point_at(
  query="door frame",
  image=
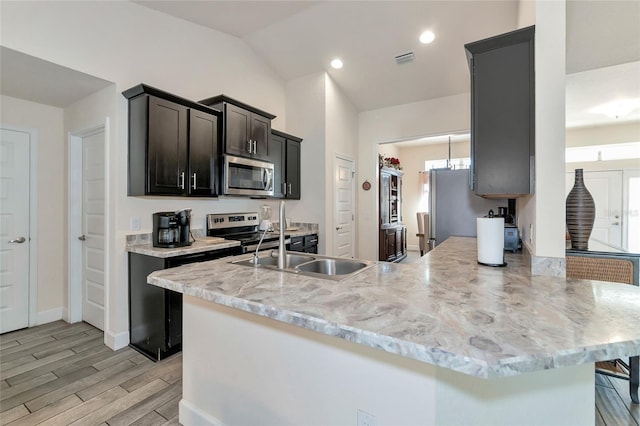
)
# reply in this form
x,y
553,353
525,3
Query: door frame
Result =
x,y
353,201
73,310
33,219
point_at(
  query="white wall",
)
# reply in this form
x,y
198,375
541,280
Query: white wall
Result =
x,y
48,121
306,118
602,135
318,112
341,139
389,150
541,216
432,117
128,44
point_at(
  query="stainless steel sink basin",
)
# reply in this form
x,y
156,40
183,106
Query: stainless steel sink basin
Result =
x,y
332,268
272,260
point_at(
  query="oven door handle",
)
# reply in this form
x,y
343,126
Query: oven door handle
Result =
x,y
264,246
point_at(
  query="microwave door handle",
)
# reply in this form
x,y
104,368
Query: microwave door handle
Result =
x,y
267,179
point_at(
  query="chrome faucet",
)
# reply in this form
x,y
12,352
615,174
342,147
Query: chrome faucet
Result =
x,y
282,250
256,259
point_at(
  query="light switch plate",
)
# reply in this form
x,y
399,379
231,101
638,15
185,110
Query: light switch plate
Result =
x,y
135,223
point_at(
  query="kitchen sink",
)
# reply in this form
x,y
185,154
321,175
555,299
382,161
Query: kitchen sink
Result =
x,y
332,268
272,260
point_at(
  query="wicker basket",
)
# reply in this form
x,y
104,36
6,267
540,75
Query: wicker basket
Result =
x,y
599,268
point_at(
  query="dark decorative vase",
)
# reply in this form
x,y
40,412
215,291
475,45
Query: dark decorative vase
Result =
x,y
581,213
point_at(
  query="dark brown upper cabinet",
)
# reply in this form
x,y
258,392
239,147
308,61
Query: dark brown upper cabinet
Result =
x,y
246,129
503,114
284,153
173,145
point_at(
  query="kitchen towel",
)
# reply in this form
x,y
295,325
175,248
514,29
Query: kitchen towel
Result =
x,y
490,241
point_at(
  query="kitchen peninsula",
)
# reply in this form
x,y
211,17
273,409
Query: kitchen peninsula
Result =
x,y
440,341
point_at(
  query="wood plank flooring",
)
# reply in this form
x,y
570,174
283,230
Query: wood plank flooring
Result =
x,y
62,374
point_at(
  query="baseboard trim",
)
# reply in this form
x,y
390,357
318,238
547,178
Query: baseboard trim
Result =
x,y
116,341
190,415
45,317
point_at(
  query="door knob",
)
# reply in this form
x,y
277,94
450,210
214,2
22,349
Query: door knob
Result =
x,y
338,228
82,237
18,240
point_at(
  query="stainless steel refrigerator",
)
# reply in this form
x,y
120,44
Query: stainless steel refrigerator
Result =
x,y
453,207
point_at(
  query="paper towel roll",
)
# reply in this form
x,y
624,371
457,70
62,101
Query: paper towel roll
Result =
x,y
491,241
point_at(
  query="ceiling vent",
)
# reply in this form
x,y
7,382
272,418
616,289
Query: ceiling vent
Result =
x,y
405,57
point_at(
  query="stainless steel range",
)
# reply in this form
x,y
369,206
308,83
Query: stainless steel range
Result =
x,y
241,227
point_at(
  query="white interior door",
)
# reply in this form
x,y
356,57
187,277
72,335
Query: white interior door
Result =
x,y
93,225
14,229
343,207
606,189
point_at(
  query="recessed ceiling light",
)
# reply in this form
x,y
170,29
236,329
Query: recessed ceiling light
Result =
x,y
336,63
427,37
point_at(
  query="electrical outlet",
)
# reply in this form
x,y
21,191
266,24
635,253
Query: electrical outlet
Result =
x,y
366,419
135,223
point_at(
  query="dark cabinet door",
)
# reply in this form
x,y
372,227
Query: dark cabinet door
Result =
x,y
204,134
167,147
382,245
246,133
237,131
260,131
284,153
503,114
399,241
391,244
293,170
277,156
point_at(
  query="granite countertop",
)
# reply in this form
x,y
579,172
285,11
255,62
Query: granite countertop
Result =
x,y
444,309
200,245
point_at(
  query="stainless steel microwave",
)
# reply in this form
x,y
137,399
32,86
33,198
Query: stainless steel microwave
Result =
x,y
244,176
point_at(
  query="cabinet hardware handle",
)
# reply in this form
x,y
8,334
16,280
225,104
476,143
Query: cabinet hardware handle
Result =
x,y
338,228
289,189
255,147
182,180
250,146
18,240
616,223
284,188
82,237
194,181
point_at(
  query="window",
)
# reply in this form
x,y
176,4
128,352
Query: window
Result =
x,y
617,151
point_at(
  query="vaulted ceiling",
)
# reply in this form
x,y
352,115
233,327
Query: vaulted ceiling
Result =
x,y
298,38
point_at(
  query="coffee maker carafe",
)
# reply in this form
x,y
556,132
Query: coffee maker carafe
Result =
x,y
171,229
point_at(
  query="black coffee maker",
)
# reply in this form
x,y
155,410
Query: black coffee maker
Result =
x,y
171,229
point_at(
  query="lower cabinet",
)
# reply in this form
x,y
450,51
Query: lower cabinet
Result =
x,y
155,314
304,244
393,243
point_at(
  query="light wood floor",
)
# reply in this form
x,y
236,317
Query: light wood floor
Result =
x,y
62,374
